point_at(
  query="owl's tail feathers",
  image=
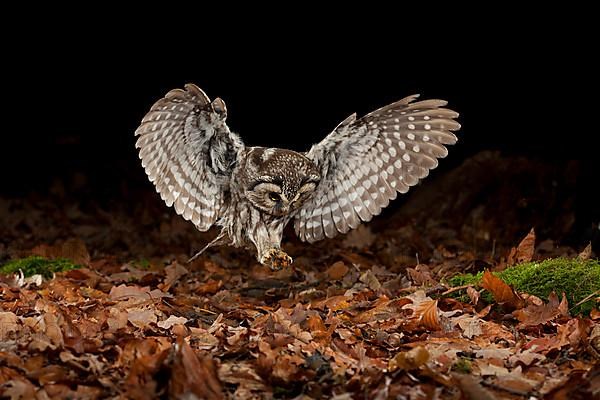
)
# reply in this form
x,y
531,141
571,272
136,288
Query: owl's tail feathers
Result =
x,y
221,238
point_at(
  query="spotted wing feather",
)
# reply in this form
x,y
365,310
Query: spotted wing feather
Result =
x,y
188,152
365,162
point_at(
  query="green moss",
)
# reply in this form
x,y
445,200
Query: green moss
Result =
x,y
38,265
143,264
462,365
577,279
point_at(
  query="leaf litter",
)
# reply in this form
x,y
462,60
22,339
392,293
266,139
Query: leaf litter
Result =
x,y
356,317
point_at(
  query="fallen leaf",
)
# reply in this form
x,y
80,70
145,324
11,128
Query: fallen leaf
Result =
x,y
8,325
337,270
471,327
473,295
502,293
173,272
525,357
409,360
123,292
524,251
595,340
210,287
172,320
428,314
141,317
193,376
472,388
538,315
369,279
421,275
117,319
586,253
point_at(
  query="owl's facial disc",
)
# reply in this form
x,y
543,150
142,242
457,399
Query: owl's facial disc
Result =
x,y
272,196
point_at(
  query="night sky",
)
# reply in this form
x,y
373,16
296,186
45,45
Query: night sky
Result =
x,y
73,107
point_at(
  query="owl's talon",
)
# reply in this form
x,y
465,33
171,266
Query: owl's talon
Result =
x,y
275,259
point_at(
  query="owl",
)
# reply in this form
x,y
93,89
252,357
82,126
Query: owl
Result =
x,y
211,178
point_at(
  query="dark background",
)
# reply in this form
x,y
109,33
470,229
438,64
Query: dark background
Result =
x,y
74,102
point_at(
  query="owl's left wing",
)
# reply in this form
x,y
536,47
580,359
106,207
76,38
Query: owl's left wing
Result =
x,y
365,162
189,153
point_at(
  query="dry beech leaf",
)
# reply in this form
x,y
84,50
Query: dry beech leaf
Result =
x,y
472,388
586,253
8,325
538,315
409,360
524,251
337,270
502,292
141,318
369,279
193,377
173,272
473,295
429,315
594,340
172,320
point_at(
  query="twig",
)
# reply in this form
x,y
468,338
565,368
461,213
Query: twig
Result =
x,y
597,292
456,289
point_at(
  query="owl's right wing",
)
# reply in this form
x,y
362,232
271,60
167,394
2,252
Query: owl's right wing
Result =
x,y
189,153
365,162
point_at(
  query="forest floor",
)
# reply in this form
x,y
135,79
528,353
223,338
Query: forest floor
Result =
x,y
367,315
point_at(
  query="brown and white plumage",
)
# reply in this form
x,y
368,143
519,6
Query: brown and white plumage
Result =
x,y
365,162
198,165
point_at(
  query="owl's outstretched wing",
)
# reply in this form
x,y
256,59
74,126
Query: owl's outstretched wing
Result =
x,y
189,153
365,161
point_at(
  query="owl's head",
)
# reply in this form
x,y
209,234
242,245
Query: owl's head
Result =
x,y
282,180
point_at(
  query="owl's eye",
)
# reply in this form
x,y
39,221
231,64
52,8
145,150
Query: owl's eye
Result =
x,y
274,197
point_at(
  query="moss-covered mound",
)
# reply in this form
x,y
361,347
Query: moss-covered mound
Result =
x,y
38,265
576,278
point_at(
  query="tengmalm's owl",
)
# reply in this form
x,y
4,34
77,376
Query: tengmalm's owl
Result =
x,y
202,168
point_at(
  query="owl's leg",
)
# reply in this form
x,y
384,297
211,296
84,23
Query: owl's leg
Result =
x,y
221,238
275,258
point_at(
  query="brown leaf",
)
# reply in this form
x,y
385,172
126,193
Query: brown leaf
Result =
x,y
502,293
409,360
429,315
8,325
193,376
473,295
337,271
123,292
117,319
172,320
421,275
471,326
369,279
140,317
586,253
210,287
595,340
173,272
472,389
538,315
524,251
19,388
